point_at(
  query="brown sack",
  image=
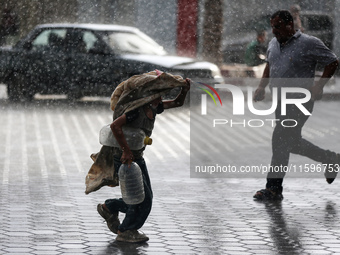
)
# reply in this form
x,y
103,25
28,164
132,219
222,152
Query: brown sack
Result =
x,y
102,171
141,89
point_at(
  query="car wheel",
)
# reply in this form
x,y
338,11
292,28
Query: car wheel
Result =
x,y
18,88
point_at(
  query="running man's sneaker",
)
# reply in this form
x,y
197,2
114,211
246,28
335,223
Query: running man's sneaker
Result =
x,y
332,170
267,195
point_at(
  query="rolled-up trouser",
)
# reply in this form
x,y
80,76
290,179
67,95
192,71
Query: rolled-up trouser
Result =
x,y
286,140
135,215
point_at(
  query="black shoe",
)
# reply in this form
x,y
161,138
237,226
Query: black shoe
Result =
x,y
332,170
268,195
111,219
132,236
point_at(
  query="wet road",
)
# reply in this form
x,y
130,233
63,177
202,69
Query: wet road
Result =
x,y
44,157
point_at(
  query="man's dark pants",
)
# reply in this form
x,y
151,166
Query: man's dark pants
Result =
x,y
135,215
286,140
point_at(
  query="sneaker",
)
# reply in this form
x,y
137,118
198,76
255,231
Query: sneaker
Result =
x,y
267,195
332,170
132,236
111,219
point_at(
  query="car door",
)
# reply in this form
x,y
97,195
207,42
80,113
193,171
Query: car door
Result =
x,y
45,58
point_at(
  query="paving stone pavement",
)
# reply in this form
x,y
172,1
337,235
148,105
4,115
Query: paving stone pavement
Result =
x,y
44,157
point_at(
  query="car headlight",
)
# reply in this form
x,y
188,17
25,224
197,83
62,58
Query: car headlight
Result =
x,y
216,74
215,71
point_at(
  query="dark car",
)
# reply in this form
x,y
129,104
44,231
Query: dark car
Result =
x,y
89,60
318,24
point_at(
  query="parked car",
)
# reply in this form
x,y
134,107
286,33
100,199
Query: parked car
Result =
x,y
88,60
318,24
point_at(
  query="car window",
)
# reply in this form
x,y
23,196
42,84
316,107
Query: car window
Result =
x,y
49,39
131,43
90,40
74,41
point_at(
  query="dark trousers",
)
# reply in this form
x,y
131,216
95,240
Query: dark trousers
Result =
x,y
135,215
286,140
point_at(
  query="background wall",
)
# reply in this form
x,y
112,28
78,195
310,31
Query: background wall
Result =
x,y
157,18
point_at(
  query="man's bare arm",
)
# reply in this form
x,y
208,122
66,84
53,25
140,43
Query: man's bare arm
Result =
x,y
260,91
179,100
328,72
117,130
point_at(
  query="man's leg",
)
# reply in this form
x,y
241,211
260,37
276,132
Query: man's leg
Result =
x,y
308,149
282,140
327,157
135,215
286,136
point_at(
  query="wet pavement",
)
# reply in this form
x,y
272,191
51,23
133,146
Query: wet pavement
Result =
x,y
44,158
